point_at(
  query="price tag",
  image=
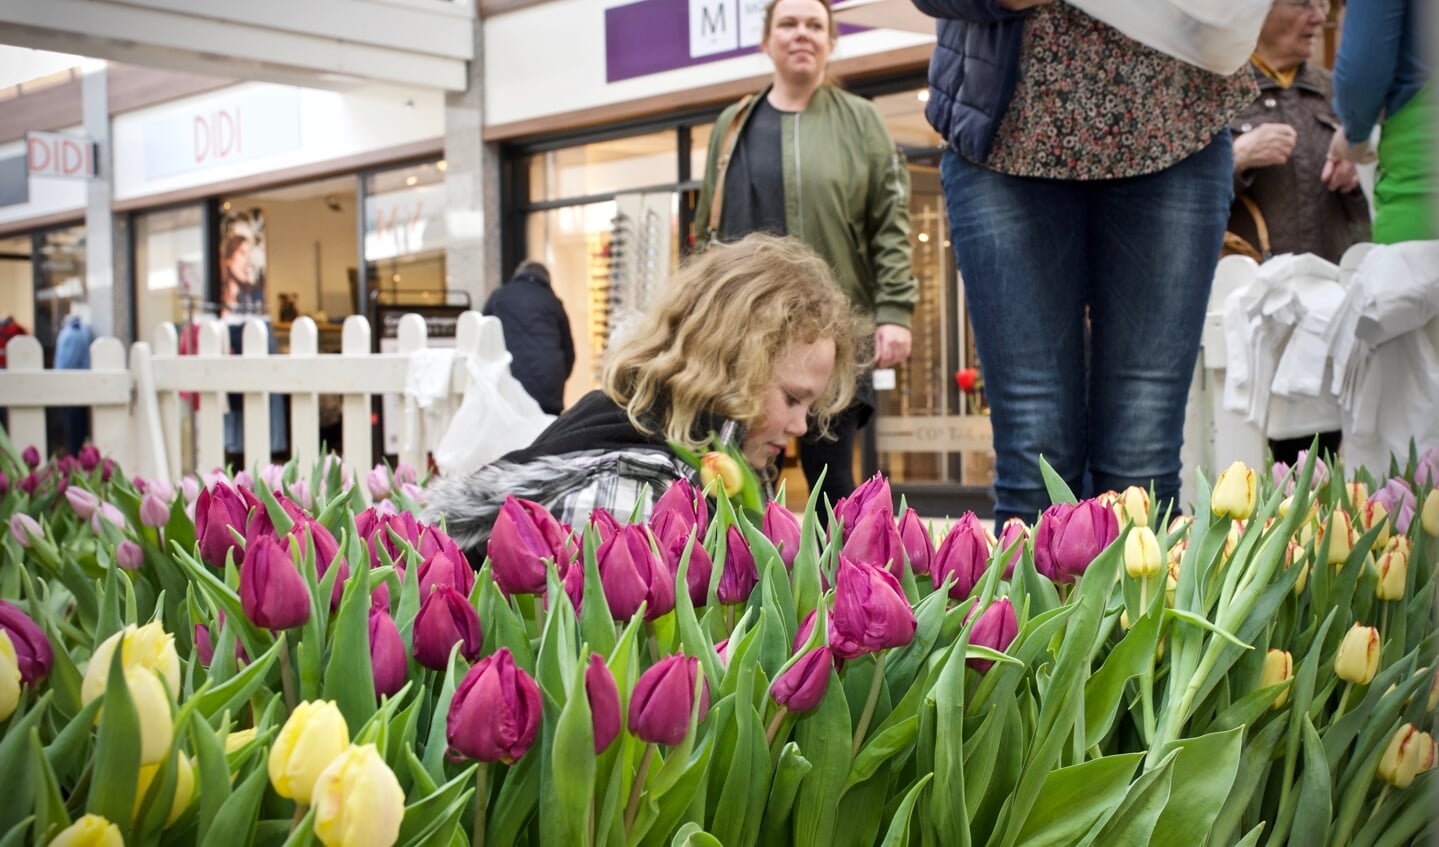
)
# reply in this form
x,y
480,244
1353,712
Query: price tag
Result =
x,y
884,379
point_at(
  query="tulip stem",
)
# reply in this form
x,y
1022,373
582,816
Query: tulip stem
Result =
x,y
1383,795
300,810
287,676
1144,594
482,802
869,703
1344,699
774,725
635,790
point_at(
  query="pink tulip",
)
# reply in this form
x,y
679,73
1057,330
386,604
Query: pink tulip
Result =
x,y
378,481
445,619
631,575
496,711
740,576
1071,536
870,611
684,502
996,628
873,495
525,542
388,662
154,512
1015,532
25,529
916,541
327,553
442,569
962,556
82,502
663,698
875,541
604,697
672,534
217,511
272,592
782,528
129,556
803,685
405,474
806,629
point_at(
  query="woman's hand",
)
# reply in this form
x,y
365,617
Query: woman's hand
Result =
x,y
1342,151
891,345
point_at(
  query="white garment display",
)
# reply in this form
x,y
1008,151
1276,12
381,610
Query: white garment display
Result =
x,y
1217,35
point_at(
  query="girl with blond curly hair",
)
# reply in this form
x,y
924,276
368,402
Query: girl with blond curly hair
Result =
x,y
752,341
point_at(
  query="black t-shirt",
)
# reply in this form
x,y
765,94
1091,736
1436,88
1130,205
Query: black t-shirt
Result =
x,y
754,184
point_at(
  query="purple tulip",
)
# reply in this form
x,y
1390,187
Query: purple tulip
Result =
x,y
30,482
154,512
496,711
107,469
89,458
684,502
301,494
672,535
740,576
1426,473
405,474
445,619
377,528
916,541
129,556
996,628
244,480
1070,536
4,483
388,662
434,540
526,537
806,629
190,488
25,529
1399,501
876,541
631,575
1279,475
442,569
378,481
1015,532
217,511
870,611
963,556
871,496
273,476
574,584
82,502
1321,470
205,648
272,592
604,697
604,523
782,528
327,553
111,514
32,649
802,687
663,698
161,488
31,457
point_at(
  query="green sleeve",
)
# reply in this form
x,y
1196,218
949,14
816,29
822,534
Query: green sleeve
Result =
x,y
895,290
707,189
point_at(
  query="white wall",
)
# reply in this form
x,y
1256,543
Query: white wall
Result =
x,y
17,292
292,231
48,195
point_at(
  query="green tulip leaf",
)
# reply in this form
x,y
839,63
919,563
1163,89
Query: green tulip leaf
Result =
x,y
1402,817
693,835
1255,762
905,662
1204,623
1074,798
881,748
898,833
569,784
666,808
597,625
439,811
237,816
1059,490
51,816
229,695
436,740
1133,656
349,679
1131,824
789,771
212,773
824,739
519,797
1204,773
19,833
117,749
1316,802
15,758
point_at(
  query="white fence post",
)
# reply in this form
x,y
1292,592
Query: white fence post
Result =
x,y
27,423
167,403
357,449
110,422
413,338
210,417
147,440
305,405
255,344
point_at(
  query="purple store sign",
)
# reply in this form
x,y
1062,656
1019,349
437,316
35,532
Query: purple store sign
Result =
x,y
652,36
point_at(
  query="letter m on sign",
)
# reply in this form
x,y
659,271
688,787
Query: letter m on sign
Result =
x,y
714,27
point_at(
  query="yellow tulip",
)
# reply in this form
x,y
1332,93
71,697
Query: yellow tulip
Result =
x,y
1371,513
89,831
1433,693
1181,523
721,466
152,704
1428,752
149,647
9,677
1393,573
1358,492
1134,504
358,801
1171,580
1295,555
1234,493
1142,558
312,737
1429,518
1231,541
1358,658
237,739
1278,666
1341,535
1400,762
180,799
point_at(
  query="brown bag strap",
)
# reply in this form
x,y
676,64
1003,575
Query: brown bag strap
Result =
x,y
1260,227
731,137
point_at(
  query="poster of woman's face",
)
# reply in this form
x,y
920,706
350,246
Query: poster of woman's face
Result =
x,y
242,263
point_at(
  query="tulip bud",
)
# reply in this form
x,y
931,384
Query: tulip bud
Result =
x,y
388,662
147,648
875,541
4,483
604,523
217,511
1428,752
525,537
1374,512
1070,536
604,699
721,467
1171,582
914,538
89,830
190,489
111,514
1231,540
740,576
1393,569
82,502
631,576
272,592
1142,558
663,698
684,503
873,495
782,529
129,556
405,474
996,629
1234,493
1278,666
806,629
1400,762
445,619
1341,535
1433,694
1400,501
441,569
802,686
313,735
963,556
378,481
1429,518
1015,532
1279,474
31,457
1358,658
9,677
870,611
236,739
496,711
1134,505
25,529
358,800
1320,477
672,534
152,705
154,512
1295,555
179,800
33,654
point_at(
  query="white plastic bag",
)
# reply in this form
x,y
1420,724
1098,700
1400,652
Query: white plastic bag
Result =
x,y
1217,35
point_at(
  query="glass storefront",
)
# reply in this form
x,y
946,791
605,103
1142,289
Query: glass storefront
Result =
x,y
169,267
405,232
60,288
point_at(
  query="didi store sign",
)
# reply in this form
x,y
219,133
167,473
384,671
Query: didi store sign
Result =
x,y
54,154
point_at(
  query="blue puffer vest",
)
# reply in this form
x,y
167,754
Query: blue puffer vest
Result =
x,y
973,71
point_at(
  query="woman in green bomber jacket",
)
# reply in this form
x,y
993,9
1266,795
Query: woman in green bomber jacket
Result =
x,y
805,159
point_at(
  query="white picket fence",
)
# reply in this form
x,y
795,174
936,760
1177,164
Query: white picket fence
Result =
x,y
136,405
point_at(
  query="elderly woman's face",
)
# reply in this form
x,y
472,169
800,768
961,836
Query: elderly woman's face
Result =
x,y
1290,31
800,377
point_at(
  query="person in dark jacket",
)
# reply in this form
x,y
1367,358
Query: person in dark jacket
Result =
x,y
537,334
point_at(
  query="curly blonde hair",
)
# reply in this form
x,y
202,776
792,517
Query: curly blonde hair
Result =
x,y
708,345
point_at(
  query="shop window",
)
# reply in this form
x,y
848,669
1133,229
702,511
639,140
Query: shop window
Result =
x,y
605,167
170,268
17,283
60,288
405,234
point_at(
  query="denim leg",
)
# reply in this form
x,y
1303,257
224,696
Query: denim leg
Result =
x,y
1022,257
1154,242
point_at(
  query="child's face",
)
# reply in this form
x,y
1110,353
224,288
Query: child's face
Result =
x,y
800,376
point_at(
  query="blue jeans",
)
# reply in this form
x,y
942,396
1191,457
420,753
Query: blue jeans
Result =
x,y
1103,400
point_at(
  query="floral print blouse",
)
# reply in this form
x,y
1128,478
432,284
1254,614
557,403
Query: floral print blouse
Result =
x,y
1092,103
